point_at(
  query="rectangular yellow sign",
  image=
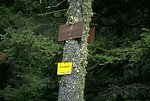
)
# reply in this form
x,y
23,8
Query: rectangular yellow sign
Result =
x,y
64,68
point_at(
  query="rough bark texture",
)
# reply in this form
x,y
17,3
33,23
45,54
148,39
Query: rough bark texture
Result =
x,y
71,87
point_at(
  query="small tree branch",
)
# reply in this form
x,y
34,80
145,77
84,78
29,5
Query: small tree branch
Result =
x,y
42,14
56,5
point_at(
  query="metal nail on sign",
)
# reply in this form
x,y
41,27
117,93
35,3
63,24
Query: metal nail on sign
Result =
x,y
72,31
64,68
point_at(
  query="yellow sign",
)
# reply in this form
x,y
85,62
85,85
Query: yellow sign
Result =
x,y
64,68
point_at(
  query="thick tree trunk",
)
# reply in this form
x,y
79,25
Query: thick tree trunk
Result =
x,y
71,87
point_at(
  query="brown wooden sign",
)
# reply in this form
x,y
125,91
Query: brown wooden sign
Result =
x,y
73,31
91,35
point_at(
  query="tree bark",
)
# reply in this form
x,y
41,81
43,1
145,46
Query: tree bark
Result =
x,y
71,87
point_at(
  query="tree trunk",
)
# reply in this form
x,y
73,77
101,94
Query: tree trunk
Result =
x,y
71,87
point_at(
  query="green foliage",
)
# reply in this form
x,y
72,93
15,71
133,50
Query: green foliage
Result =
x,y
142,46
120,73
28,73
27,7
118,68
31,63
5,18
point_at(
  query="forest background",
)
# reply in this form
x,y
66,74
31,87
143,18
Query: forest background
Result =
x,y
118,62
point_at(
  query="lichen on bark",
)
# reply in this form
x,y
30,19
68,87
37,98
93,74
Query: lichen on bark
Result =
x,y
71,87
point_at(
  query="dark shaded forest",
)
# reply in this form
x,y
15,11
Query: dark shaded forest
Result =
x,y
118,61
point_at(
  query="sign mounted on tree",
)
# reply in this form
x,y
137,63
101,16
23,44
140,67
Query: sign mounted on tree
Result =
x,y
64,68
71,31
91,35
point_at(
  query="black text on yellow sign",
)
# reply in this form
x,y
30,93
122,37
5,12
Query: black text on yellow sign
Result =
x,y
64,68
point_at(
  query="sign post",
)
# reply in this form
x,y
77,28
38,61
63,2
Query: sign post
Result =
x,y
71,87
